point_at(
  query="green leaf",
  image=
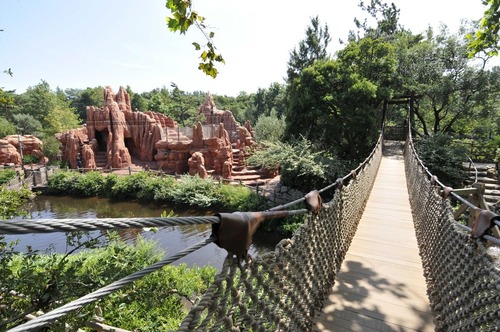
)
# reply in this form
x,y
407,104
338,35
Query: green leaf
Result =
x,y
196,46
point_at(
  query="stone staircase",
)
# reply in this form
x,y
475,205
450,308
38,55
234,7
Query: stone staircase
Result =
x,y
101,160
174,136
488,175
248,175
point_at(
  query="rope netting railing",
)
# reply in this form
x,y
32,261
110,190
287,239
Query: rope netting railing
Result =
x,y
463,283
284,289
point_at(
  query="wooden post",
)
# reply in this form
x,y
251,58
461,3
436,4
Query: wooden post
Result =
x,y
129,171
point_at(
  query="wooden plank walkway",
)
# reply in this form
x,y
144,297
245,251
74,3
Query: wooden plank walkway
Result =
x,y
380,286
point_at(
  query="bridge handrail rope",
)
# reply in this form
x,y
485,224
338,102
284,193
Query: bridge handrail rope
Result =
x,y
463,281
228,227
449,191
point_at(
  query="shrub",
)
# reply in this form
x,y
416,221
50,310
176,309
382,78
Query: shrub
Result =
x,y
64,183
302,166
193,190
30,159
443,158
145,186
126,187
6,175
239,198
91,184
152,303
13,202
269,128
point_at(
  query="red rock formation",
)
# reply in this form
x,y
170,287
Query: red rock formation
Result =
x,y
118,132
197,165
32,146
118,154
121,134
9,153
235,131
88,157
71,141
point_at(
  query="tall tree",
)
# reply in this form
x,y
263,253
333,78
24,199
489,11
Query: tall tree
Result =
x,y
310,49
80,99
37,101
448,83
334,101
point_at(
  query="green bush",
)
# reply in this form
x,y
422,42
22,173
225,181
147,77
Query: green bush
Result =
x,y
126,187
286,226
239,198
64,183
30,159
302,166
6,175
91,184
13,202
152,303
269,128
148,187
193,190
443,158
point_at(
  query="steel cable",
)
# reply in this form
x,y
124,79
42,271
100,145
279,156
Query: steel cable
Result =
x,y
24,226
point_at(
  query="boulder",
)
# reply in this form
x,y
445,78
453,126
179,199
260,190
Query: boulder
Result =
x,y
9,153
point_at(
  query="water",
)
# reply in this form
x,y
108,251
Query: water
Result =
x,y
171,239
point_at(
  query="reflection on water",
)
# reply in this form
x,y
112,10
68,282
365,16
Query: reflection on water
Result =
x,y
172,239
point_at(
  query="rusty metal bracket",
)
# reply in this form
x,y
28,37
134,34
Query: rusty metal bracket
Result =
x,y
235,230
313,201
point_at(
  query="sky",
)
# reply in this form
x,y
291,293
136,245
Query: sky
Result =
x,y
79,44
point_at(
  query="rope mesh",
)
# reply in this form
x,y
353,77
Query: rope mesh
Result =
x,y
463,284
284,289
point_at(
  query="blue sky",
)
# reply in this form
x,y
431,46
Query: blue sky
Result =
x,y
79,44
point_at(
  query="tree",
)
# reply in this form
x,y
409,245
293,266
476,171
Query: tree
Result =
x,y
7,103
37,101
6,127
266,101
334,102
61,118
311,49
183,107
269,127
139,103
157,104
80,99
486,38
26,124
387,17
450,87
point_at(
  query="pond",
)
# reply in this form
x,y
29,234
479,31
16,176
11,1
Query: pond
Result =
x,y
171,239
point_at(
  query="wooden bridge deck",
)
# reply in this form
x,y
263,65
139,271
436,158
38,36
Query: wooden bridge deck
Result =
x,y
380,286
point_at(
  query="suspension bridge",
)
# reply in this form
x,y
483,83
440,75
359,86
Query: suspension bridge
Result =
x,y
391,258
